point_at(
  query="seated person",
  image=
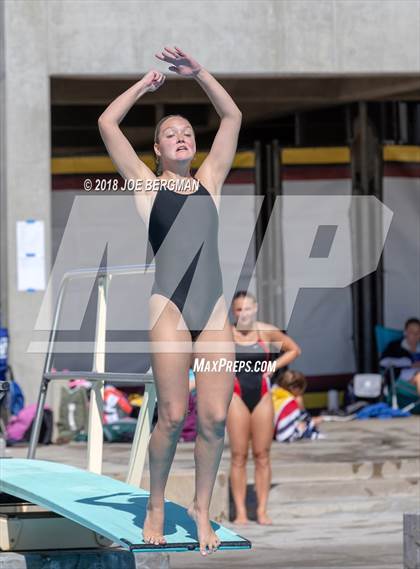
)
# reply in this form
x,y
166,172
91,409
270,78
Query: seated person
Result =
x,y
116,405
291,421
405,356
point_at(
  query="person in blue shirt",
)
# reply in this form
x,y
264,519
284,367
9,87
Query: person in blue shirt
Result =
x,y
405,354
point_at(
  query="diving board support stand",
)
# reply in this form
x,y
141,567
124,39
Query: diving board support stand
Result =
x,y
36,429
98,376
95,436
42,395
141,436
95,430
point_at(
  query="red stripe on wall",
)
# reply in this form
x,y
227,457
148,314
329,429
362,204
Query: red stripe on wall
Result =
x,y
402,170
316,172
241,176
76,181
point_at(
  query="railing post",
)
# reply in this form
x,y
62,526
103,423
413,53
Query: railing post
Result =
x,y
98,377
141,437
95,429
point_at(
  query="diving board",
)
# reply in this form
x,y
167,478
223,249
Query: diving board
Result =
x,y
104,505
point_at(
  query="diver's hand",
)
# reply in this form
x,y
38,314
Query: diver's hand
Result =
x,y
152,81
180,62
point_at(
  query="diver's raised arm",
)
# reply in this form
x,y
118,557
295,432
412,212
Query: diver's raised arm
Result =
x,y
128,164
218,162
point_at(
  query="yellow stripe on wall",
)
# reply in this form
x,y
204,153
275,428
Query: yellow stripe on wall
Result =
x,y
245,159
394,153
104,164
90,164
324,155
319,399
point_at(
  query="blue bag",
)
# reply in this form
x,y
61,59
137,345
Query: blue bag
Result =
x,y
16,397
381,411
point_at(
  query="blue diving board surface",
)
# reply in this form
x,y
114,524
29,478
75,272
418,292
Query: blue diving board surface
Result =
x,y
104,505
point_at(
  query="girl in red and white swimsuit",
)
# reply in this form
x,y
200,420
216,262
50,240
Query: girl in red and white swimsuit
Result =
x,y
251,414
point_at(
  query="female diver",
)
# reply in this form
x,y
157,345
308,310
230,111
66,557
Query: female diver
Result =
x,y
251,412
195,302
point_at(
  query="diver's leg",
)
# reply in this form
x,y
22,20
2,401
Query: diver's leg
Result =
x,y
170,370
214,393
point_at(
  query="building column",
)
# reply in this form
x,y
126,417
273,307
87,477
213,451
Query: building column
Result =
x,y
25,171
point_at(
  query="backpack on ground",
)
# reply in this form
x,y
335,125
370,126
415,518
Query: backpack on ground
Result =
x,y
73,413
20,426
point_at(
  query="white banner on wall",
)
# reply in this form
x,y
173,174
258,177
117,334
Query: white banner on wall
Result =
x,y
30,255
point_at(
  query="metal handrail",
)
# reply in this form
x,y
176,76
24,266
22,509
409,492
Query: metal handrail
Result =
x,y
102,272
98,376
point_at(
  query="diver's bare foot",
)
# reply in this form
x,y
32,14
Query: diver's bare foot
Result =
x,y
263,519
153,526
209,542
241,520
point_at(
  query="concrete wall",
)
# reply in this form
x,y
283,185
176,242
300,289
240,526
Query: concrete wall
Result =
x,y
270,37
25,168
3,227
235,37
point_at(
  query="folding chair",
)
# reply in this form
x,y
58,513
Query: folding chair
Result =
x,y
368,386
383,337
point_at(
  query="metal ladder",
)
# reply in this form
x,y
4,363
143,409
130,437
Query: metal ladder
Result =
x,y
98,376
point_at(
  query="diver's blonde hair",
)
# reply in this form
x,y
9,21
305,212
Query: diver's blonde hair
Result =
x,y
158,166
